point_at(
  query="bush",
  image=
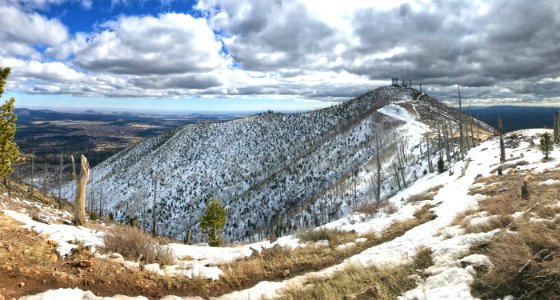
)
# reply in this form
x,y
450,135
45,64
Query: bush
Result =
x,y
441,165
334,236
370,207
212,222
135,244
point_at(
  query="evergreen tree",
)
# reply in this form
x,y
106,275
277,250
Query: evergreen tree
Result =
x,y
441,165
546,144
213,221
9,151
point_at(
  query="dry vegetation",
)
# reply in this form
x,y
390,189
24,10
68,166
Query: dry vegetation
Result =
x,y
358,282
428,194
106,278
334,236
280,263
371,208
525,253
136,244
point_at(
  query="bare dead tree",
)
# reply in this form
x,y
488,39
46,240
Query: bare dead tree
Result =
x,y
81,186
430,166
378,167
472,133
397,175
155,179
60,179
401,162
32,175
461,146
557,127
446,141
502,147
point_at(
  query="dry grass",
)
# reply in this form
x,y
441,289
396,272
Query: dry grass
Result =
x,y
135,244
495,222
428,194
280,263
370,208
509,252
359,282
517,247
334,236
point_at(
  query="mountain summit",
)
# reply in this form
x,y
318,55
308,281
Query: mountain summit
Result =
x,y
276,173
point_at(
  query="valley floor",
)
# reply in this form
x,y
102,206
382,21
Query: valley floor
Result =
x,y
449,216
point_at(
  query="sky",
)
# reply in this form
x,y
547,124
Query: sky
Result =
x,y
216,55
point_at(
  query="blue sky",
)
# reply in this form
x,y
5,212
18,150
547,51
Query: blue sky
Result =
x,y
215,55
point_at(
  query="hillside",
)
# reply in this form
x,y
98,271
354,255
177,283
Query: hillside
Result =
x,y
277,173
466,234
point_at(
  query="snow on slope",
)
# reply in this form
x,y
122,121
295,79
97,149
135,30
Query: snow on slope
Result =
x,y
291,171
447,279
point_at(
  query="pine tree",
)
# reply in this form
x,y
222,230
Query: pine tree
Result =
x,y
546,145
441,165
213,221
9,151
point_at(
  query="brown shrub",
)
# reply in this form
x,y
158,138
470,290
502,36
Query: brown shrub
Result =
x,y
135,244
428,194
390,208
359,282
423,259
334,236
494,222
370,207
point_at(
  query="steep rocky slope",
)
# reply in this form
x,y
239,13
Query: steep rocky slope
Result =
x,y
276,173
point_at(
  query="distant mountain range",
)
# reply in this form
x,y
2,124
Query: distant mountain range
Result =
x,y
276,173
515,117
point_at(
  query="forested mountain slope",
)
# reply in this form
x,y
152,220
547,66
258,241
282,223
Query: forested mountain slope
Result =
x,y
276,173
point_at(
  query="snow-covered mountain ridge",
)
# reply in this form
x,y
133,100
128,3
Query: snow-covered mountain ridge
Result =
x,y
276,173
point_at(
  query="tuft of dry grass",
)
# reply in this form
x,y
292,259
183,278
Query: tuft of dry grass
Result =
x,y
135,244
494,222
519,266
359,282
334,236
428,194
423,259
370,208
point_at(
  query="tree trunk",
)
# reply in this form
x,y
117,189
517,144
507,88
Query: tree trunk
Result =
x,y
502,147
60,180
32,174
154,216
430,166
378,168
81,186
446,141
7,184
461,146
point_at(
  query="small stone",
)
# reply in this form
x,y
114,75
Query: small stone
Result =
x,y
21,284
286,273
52,243
2,297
